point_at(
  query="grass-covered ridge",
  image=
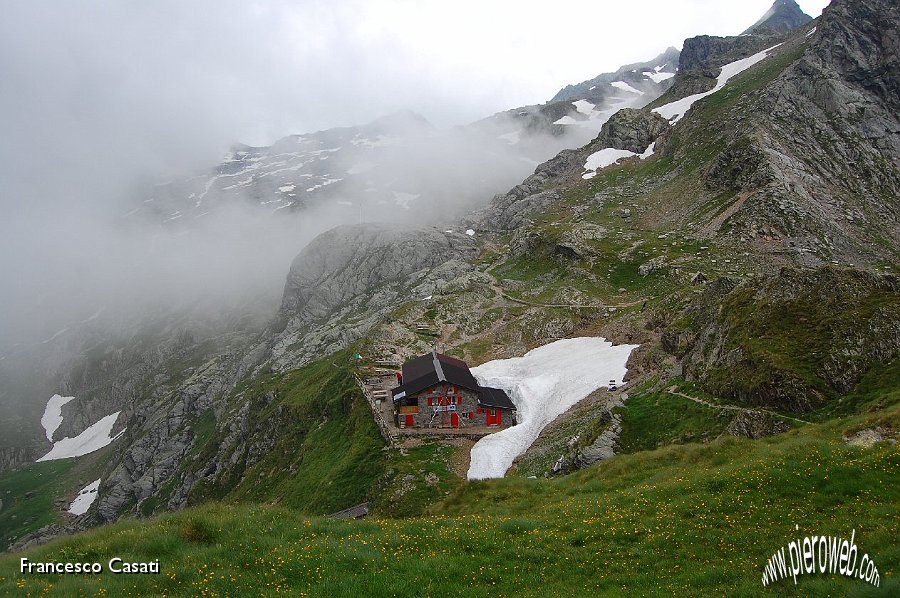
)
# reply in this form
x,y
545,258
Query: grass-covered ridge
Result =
x,y
683,520
327,455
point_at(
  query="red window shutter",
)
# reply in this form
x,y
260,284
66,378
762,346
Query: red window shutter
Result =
x,y
429,401
471,415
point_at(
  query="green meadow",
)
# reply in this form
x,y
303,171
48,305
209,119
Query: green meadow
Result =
x,y
685,519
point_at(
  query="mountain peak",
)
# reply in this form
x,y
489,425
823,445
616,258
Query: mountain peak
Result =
x,y
784,16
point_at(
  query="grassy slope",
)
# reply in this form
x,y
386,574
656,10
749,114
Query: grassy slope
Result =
x,y
328,455
694,519
658,418
27,498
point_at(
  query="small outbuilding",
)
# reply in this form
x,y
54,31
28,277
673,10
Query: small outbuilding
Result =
x,y
439,391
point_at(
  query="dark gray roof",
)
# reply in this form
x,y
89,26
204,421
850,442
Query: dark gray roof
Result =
x,y
495,397
433,368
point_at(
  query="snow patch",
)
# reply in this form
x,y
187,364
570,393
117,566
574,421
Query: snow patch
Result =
x,y
287,188
56,335
543,384
52,418
85,498
651,149
658,77
566,120
93,438
95,315
470,232
379,141
674,111
324,183
602,159
584,107
626,87
811,31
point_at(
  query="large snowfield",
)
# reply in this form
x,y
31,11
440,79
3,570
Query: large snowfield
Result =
x,y
93,438
674,111
52,418
543,384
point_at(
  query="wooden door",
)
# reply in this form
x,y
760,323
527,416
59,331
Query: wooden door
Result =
x,y
410,421
454,419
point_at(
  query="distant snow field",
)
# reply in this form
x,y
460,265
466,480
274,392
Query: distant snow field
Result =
x,y
584,107
85,498
52,418
626,87
674,111
543,384
566,120
658,77
93,438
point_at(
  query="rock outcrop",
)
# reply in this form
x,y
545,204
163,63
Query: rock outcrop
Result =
x,y
784,16
347,279
793,341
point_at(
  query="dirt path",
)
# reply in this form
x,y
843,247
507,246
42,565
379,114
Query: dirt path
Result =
x,y
673,390
500,292
717,222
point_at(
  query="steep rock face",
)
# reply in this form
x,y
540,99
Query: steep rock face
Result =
x,y
632,130
628,129
706,53
347,279
857,44
792,341
703,56
784,16
826,140
349,261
